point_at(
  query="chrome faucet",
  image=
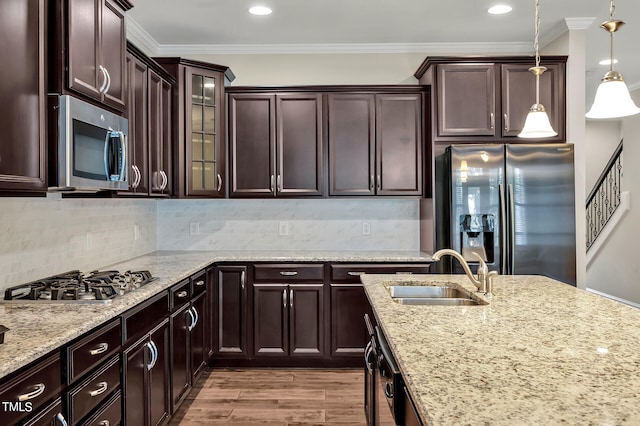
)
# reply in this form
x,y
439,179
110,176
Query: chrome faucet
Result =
x,y
484,281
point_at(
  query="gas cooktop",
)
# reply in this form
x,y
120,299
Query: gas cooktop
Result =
x,y
75,286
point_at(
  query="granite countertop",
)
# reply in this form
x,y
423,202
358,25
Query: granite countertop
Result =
x,y
542,352
35,329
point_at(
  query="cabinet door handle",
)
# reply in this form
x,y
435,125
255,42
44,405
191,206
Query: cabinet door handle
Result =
x,y
102,387
137,177
154,354
195,311
284,299
61,420
291,299
182,294
219,182
100,349
104,423
506,122
355,273
279,183
39,389
379,183
193,320
288,273
271,185
242,279
492,117
165,180
371,184
104,79
106,89
199,283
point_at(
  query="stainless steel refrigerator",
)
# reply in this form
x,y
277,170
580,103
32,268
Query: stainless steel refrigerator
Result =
x,y
511,204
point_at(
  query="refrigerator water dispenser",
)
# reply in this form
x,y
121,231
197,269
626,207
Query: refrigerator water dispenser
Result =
x,y
476,236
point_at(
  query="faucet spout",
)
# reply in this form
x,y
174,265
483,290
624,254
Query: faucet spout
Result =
x,y
483,271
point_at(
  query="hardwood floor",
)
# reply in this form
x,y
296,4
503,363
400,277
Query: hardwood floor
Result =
x,y
275,397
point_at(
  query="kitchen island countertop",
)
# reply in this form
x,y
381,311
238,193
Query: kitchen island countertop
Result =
x,y
541,353
36,329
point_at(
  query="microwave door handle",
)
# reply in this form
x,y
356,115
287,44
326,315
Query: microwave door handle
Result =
x,y
123,159
107,172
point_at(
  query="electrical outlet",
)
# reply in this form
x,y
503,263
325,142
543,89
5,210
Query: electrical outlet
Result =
x,y
283,229
194,229
89,240
366,228
136,232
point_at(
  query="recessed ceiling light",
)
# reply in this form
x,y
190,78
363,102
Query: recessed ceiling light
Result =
x,y
260,10
607,62
499,9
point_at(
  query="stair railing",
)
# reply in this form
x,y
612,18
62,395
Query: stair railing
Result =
x,y
604,198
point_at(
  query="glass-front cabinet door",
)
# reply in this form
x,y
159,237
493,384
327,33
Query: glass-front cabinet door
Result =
x,y
205,147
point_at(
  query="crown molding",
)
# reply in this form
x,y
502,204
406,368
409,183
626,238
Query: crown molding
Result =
x,y
567,24
361,48
579,23
141,38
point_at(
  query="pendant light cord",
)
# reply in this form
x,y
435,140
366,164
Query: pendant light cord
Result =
x,y
536,46
612,10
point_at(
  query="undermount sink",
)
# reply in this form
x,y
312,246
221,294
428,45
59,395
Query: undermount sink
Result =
x,y
430,295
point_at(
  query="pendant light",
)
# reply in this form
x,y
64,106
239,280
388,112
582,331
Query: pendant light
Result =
x,y
612,97
537,124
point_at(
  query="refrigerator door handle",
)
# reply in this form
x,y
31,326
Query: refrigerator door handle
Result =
x,y
503,229
512,231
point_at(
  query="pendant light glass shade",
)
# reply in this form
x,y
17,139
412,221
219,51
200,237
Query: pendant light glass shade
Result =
x,y
612,98
537,124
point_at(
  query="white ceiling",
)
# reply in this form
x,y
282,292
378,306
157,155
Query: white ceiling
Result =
x,y
224,26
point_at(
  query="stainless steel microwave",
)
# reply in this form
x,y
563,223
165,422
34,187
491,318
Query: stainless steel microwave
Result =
x,y
92,148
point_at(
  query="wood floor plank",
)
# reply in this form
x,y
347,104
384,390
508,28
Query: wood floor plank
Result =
x,y
275,397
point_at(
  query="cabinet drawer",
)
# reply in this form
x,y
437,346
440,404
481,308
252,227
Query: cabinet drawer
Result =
x,y
180,294
350,273
288,272
49,416
199,283
110,414
141,319
93,349
31,389
90,393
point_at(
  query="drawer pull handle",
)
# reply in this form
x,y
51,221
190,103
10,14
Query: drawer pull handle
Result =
x,y
182,294
39,390
100,349
104,423
355,273
61,420
102,387
288,273
200,283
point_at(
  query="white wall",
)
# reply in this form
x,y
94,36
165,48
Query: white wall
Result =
x,y
603,137
616,267
321,224
300,69
41,236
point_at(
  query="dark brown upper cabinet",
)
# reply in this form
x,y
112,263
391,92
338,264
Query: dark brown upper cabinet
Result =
x,y
23,158
276,144
200,151
487,99
150,108
375,143
96,46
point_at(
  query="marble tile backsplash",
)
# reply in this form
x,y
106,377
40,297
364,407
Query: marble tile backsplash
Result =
x,y
322,224
42,236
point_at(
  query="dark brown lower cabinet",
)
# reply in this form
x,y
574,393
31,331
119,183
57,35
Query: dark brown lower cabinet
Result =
x,y
349,304
230,319
48,416
146,372
198,334
288,320
180,372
